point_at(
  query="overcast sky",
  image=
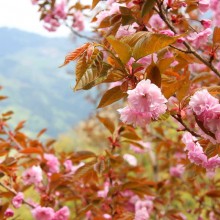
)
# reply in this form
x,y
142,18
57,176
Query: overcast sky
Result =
x,y
23,15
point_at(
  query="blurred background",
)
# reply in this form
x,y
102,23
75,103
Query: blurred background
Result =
x,y
38,90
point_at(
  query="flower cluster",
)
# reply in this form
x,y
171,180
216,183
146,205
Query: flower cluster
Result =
x,y
145,102
207,110
196,154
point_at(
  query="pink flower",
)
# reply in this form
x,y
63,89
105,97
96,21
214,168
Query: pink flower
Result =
x,y
145,102
18,200
9,213
167,32
206,23
146,147
32,175
103,193
107,216
204,5
43,213
130,159
52,163
212,163
62,214
203,103
78,21
177,171
199,39
141,214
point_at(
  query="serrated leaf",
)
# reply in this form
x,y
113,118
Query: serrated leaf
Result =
x,y
122,49
132,39
150,43
93,73
115,75
75,54
147,7
111,96
107,123
164,64
214,90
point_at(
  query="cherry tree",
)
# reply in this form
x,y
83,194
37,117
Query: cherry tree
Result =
x,y
158,63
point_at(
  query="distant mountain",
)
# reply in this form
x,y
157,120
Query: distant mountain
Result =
x,y
38,90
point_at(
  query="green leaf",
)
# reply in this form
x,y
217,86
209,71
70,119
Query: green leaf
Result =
x,y
111,96
147,7
122,49
150,43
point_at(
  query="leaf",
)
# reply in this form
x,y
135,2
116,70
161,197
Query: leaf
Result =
x,y
153,73
213,90
41,132
82,155
150,43
94,3
20,126
130,133
164,64
147,7
115,75
108,123
100,78
122,49
216,35
32,150
132,39
92,73
75,54
111,96
213,193
3,97
126,16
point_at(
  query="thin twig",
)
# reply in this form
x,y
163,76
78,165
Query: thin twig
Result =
x,y
179,119
15,193
160,11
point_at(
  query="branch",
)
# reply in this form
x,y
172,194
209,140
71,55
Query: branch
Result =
x,y
15,193
179,119
74,32
190,49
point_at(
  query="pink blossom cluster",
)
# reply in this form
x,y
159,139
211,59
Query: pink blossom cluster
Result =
x,y
196,154
145,102
52,20
207,110
177,171
47,213
143,207
215,7
18,200
33,175
52,163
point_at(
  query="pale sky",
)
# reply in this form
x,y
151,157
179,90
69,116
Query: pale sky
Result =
x,y
23,15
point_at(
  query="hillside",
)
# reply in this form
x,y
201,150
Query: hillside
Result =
x,y
38,90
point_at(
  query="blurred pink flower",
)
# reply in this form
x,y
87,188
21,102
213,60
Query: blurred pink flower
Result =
x,y
32,175
52,163
130,159
62,214
43,213
177,170
204,5
18,200
78,21
8,213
